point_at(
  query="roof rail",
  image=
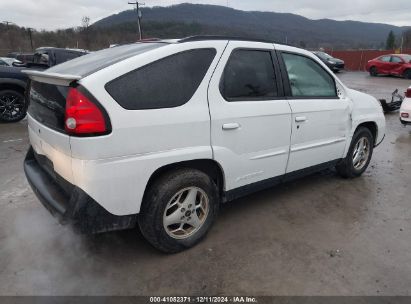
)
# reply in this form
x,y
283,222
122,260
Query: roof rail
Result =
x,y
216,37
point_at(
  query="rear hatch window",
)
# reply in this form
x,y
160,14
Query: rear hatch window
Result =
x,y
47,104
91,63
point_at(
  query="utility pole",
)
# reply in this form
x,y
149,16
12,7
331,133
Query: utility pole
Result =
x,y
402,42
7,23
140,30
29,29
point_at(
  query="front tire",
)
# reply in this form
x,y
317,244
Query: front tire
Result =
x,y
373,72
407,74
359,155
178,210
13,106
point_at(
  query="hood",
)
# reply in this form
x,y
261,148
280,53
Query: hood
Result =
x,y
12,72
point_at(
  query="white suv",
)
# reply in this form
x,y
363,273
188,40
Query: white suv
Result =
x,y
160,133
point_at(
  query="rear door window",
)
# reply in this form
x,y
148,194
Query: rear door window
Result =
x,y
385,58
396,59
166,83
307,78
249,75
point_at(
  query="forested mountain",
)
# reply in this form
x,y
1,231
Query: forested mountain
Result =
x,y
195,19
282,27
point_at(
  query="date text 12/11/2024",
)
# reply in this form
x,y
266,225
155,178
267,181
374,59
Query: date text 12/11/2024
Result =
x,y
202,299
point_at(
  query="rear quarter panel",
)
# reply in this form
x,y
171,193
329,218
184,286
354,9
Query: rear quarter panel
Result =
x,y
114,169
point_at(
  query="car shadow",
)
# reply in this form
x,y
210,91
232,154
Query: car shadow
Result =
x,y
132,242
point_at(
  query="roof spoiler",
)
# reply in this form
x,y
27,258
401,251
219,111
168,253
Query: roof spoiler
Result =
x,y
52,78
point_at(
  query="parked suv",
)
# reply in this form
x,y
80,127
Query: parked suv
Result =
x,y
160,133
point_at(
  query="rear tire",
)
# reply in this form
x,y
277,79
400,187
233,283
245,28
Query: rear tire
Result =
x,y
373,71
178,210
407,74
359,154
13,106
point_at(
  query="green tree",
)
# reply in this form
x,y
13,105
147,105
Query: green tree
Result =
x,y
390,44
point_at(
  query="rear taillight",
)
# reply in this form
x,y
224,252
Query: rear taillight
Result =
x,y
82,116
408,93
405,115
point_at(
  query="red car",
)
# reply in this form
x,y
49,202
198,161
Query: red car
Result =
x,y
394,64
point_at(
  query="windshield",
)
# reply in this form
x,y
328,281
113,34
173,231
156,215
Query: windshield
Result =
x,y
88,64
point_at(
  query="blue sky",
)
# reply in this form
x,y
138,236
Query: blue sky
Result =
x,y
54,14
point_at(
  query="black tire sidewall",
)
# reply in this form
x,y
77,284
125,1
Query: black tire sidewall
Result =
x,y
21,96
373,71
362,132
407,74
156,200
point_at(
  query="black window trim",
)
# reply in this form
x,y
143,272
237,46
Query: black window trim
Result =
x,y
159,59
286,80
277,74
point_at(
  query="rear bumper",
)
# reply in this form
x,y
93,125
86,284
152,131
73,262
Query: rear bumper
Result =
x,y
405,122
69,203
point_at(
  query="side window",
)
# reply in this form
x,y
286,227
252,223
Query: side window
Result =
x,y
396,59
249,75
385,58
166,83
307,78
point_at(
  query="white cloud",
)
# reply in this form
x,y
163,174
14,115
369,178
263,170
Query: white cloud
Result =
x,y
54,14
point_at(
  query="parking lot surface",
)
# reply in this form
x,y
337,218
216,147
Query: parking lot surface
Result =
x,y
320,235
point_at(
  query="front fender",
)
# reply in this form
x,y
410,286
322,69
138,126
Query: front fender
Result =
x,y
366,109
18,82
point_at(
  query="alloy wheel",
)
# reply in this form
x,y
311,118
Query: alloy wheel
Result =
x,y
361,153
186,212
11,107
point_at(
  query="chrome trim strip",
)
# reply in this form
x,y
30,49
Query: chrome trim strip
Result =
x,y
325,143
269,154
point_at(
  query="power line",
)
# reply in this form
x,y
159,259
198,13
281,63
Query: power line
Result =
x,y
140,30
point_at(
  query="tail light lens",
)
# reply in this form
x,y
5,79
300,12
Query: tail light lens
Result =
x,y
405,115
408,93
82,116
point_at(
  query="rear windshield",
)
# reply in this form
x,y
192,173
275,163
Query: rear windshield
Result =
x,y
406,58
88,64
47,104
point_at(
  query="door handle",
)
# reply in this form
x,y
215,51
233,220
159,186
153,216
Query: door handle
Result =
x,y
231,126
300,118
